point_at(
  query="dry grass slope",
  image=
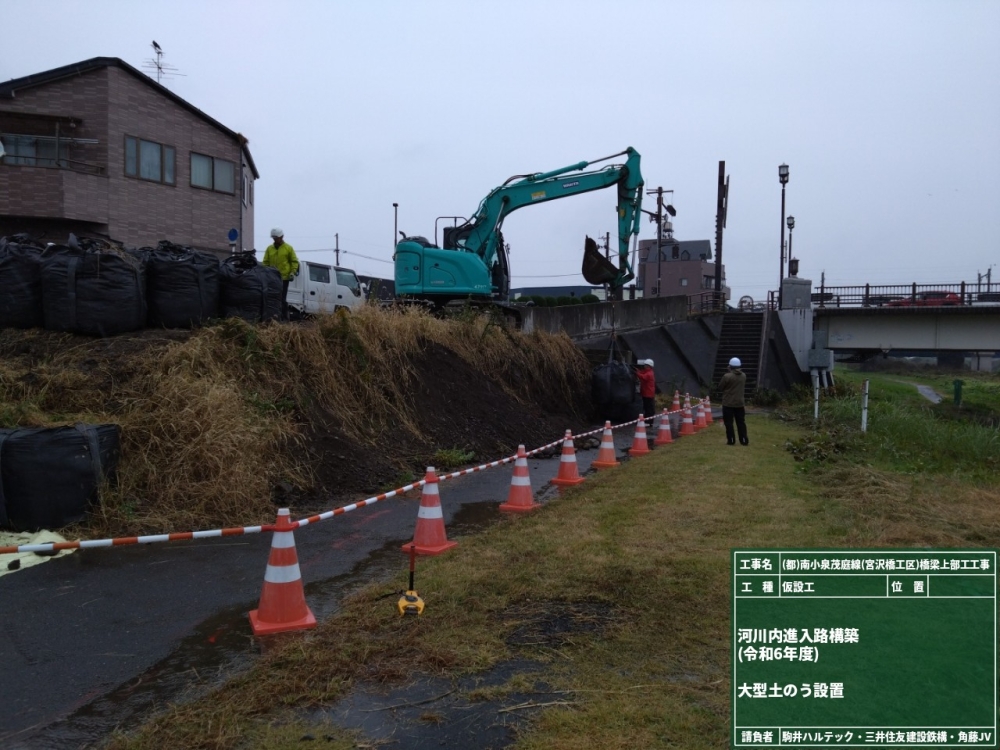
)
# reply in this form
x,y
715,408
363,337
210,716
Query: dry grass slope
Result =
x,y
212,420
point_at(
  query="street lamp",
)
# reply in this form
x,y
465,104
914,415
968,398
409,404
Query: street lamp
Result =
x,y
793,270
395,226
783,178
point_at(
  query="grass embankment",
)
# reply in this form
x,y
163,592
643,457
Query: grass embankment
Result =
x,y
636,561
213,419
906,432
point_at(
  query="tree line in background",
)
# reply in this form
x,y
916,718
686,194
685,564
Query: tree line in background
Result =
x,y
540,301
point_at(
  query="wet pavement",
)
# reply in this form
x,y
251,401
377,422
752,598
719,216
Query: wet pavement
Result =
x,y
97,639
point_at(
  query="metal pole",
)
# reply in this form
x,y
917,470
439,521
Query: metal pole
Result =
x,y
720,220
815,377
395,224
864,407
659,238
336,248
781,270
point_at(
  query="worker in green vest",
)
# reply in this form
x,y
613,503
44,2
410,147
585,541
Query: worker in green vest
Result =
x,y
281,255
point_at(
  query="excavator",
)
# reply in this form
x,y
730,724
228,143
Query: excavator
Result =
x,y
473,263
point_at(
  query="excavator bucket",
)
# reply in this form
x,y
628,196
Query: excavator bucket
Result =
x,y
596,268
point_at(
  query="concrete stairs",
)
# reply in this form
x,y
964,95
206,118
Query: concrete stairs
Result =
x,y
740,337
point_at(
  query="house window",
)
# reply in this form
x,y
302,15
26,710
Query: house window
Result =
x,y
213,174
246,189
684,282
149,160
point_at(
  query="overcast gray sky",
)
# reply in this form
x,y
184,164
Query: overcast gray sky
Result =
x,y
887,113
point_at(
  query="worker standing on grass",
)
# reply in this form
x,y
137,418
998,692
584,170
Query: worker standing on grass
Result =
x,y
281,255
732,385
647,387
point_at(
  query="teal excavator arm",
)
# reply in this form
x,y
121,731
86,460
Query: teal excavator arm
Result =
x,y
473,261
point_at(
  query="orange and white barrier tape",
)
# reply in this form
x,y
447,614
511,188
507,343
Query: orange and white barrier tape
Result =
x,y
243,530
126,540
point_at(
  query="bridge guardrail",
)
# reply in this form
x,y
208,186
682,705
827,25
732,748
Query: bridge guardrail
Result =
x,y
905,295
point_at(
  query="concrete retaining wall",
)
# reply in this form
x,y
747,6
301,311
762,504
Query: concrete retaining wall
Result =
x,y
598,318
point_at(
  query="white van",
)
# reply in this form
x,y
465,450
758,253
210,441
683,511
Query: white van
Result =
x,y
320,289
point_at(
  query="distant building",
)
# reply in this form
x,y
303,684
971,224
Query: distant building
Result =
x,y
681,267
100,148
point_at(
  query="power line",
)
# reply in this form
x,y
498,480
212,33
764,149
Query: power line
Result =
x,y
549,276
345,252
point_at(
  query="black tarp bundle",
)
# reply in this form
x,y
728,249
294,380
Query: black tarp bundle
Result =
x,y
613,388
248,289
20,283
49,477
613,384
182,286
93,287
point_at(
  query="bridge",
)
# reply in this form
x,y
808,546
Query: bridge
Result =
x,y
908,318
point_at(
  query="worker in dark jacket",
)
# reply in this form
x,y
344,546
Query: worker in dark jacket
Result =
x,y
647,387
732,385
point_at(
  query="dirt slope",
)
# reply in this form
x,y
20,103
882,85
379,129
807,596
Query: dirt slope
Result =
x,y
221,423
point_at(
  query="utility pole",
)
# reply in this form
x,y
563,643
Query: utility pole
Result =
x,y
659,238
658,218
721,208
395,227
336,249
607,245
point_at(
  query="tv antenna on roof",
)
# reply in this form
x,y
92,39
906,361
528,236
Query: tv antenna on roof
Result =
x,y
162,69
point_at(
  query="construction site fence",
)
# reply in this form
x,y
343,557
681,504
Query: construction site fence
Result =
x,y
399,491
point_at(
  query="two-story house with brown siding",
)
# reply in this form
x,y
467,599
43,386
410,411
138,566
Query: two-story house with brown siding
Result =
x,y
100,148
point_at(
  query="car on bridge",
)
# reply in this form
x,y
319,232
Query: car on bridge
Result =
x,y
927,299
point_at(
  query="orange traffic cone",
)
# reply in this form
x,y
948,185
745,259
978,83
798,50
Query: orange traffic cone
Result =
x,y
663,434
708,411
520,499
687,426
640,444
676,410
606,457
430,537
687,400
282,599
568,474
700,423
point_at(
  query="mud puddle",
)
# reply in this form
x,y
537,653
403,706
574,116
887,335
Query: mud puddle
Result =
x,y
435,712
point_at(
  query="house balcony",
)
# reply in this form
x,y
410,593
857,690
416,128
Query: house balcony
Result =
x,y
75,191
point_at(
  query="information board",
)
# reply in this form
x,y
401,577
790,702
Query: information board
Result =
x,y
857,648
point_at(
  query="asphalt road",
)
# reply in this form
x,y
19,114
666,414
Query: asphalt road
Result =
x,y
92,639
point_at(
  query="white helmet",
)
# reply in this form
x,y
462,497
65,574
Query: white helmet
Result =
x,y
734,362
649,363
276,233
